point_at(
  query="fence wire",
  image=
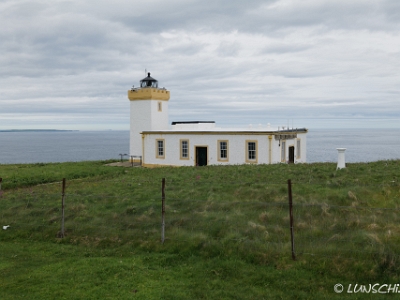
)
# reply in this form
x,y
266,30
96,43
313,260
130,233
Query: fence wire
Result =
x,y
329,220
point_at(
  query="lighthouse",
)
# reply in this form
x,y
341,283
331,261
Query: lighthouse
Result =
x,y
201,143
148,111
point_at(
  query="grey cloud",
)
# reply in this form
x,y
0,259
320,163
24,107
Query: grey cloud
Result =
x,y
266,17
219,15
228,49
285,48
331,15
233,61
185,49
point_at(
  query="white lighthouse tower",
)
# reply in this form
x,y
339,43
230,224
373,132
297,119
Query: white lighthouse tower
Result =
x,y
149,111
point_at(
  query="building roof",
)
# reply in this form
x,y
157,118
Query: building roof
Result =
x,y
148,81
266,131
191,122
209,126
148,78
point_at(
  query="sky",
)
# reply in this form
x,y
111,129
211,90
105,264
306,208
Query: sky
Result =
x,y
309,63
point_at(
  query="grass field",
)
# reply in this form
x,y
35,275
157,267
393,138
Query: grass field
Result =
x,y
227,231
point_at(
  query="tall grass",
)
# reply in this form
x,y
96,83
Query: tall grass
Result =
x,y
227,230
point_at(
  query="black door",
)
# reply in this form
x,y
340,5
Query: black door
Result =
x,y
201,156
291,155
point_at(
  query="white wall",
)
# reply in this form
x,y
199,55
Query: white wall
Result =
x,y
237,148
288,143
144,116
303,142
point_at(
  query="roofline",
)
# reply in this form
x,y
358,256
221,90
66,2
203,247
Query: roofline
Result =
x,y
293,130
192,122
231,132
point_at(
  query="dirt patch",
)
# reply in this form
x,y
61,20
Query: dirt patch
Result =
x,y
125,164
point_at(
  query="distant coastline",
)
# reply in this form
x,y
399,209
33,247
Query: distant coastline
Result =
x,y
33,130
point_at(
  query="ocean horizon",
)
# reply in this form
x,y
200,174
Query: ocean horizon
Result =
x,y
48,145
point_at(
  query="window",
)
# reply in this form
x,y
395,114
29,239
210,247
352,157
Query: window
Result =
x,y
223,151
283,151
298,149
159,104
184,149
251,151
160,149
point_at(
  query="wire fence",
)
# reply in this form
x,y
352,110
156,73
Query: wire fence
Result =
x,y
296,219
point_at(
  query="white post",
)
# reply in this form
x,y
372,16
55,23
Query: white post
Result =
x,y
341,160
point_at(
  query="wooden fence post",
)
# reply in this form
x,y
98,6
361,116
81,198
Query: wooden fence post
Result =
x,y
163,211
291,217
62,233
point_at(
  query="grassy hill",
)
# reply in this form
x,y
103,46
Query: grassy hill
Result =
x,y
227,231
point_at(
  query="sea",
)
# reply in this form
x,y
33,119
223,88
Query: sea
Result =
x,y
362,145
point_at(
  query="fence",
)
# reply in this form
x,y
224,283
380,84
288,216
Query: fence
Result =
x,y
234,217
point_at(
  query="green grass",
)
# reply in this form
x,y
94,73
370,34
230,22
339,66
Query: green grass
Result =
x,y
24,175
227,231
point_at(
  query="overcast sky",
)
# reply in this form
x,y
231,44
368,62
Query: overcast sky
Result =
x,y
309,63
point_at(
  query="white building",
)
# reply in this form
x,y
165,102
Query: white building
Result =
x,y
199,143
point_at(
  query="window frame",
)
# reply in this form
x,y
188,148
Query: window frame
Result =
x,y
181,149
158,149
247,152
219,156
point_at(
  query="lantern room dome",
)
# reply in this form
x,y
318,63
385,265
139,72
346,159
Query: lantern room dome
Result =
x,y
148,82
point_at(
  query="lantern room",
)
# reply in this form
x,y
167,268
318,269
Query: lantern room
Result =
x,y
148,82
